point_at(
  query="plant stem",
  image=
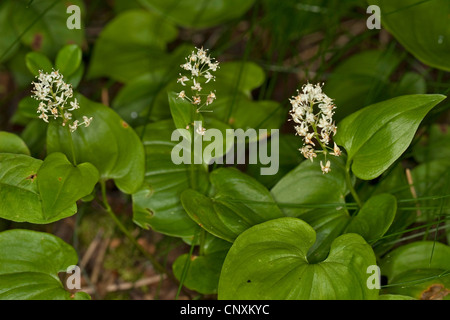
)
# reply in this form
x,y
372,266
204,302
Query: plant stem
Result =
x,y
74,159
350,186
119,224
187,264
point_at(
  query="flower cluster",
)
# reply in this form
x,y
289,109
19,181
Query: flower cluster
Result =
x,y
200,67
56,100
313,111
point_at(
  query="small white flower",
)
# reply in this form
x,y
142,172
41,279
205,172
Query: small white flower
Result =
x,y
87,121
182,95
74,104
308,138
182,80
326,168
73,127
213,66
208,76
196,86
201,131
308,152
310,118
44,117
302,129
336,151
41,108
196,100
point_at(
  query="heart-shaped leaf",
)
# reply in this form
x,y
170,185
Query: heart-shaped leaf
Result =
x,y
10,143
239,203
109,143
30,263
269,262
42,192
430,40
376,136
318,199
60,184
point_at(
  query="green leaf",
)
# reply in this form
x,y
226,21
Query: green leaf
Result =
x,y
19,195
60,184
309,189
109,143
376,136
318,199
42,192
269,262
375,217
288,156
185,116
30,263
430,41
144,98
183,112
44,24
200,14
414,268
68,59
9,35
204,269
157,204
431,179
438,138
36,61
130,45
394,182
410,83
241,76
367,73
239,203
10,143
28,108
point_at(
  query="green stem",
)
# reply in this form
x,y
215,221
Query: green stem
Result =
x,y
187,264
72,147
350,186
119,224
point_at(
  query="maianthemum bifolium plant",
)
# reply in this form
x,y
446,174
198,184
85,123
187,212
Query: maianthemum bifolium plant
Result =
x,y
362,185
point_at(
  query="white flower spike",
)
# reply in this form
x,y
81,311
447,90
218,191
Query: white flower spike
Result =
x,y
55,97
312,111
200,67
